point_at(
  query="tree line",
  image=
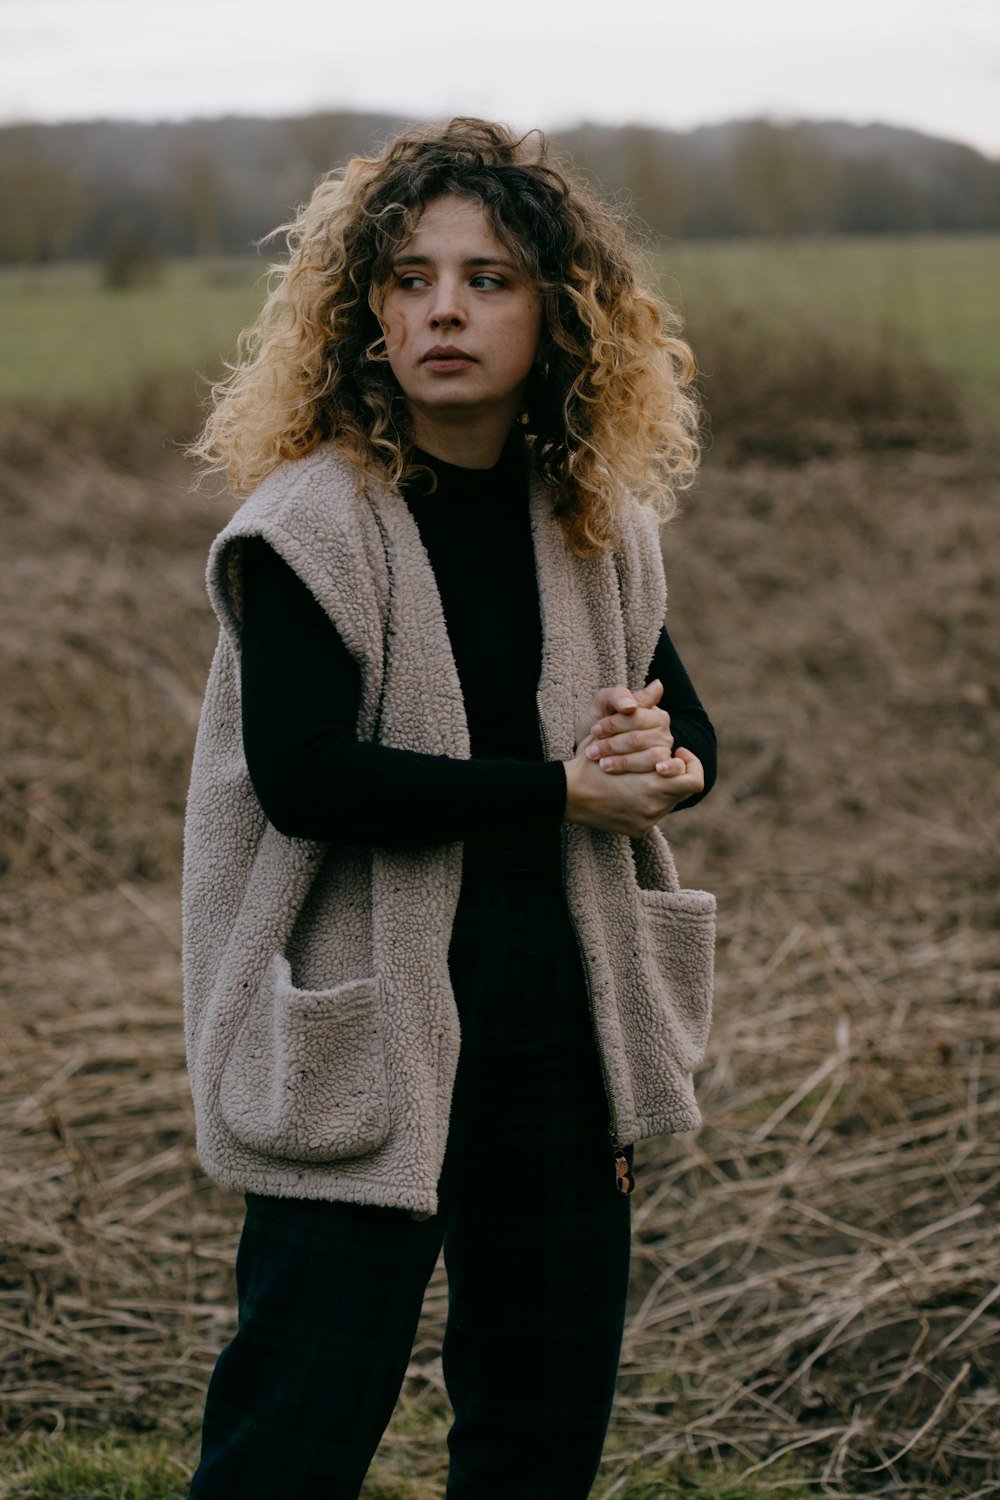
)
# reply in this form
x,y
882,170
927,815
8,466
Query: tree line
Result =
x,y
103,189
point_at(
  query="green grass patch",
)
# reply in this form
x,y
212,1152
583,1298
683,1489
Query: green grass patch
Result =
x,y
66,337
711,1483
84,1466
410,1466
940,295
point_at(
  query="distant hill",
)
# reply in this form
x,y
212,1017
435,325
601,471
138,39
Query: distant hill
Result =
x,y
216,186
806,177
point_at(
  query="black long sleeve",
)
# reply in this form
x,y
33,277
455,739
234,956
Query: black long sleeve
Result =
x,y
314,779
689,723
301,692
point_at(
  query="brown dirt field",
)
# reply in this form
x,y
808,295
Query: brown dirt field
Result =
x,y
817,1272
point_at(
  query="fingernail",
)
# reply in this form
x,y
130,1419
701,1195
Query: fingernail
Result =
x,y
628,703
605,763
593,751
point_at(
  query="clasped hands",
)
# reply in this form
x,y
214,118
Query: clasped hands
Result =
x,y
627,774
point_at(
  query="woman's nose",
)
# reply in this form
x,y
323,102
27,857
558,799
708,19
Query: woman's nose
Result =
x,y
447,311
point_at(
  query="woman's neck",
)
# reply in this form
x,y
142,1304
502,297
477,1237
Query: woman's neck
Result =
x,y
467,445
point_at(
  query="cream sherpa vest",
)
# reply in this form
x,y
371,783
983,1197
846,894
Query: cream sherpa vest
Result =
x,y
322,1032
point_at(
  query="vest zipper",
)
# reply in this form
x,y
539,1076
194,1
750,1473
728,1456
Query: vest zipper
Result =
x,y
624,1176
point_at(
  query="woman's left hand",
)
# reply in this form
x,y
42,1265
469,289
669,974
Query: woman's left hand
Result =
x,y
632,734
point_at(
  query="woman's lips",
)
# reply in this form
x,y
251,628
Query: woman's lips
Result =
x,y
444,360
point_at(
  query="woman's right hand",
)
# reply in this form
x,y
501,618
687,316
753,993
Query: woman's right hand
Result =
x,y
630,804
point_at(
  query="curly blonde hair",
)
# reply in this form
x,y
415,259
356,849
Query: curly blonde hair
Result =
x,y
609,411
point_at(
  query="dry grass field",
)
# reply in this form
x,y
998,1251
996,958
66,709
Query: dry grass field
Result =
x,y
816,1301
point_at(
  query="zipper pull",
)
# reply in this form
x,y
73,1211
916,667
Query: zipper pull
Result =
x,y
624,1178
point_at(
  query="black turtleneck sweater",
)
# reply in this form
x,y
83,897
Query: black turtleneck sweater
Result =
x,y
301,689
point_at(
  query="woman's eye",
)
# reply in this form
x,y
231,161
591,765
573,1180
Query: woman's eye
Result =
x,y
410,282
484,282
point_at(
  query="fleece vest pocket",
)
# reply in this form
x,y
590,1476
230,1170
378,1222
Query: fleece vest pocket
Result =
x,y
678,935
306,1078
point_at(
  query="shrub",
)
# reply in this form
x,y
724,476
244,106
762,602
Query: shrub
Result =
x,y
797,391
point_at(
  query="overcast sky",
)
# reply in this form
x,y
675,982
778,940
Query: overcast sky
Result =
x,y
930,64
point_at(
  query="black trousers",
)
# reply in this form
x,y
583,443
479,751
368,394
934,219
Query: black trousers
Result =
x,y
536,1242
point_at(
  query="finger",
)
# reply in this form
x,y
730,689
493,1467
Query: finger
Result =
x,y
674,789
644,699
651,694
643,718
681,788
638,762
627,741
631,741
670,768
690,759
617,699
692,775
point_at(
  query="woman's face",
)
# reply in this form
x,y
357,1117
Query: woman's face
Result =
x,y
462,323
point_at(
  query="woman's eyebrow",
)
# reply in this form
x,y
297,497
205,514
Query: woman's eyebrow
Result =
x,y
491,260
408,259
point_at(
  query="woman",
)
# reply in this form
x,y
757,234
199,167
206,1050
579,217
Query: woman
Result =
x,y
439,976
